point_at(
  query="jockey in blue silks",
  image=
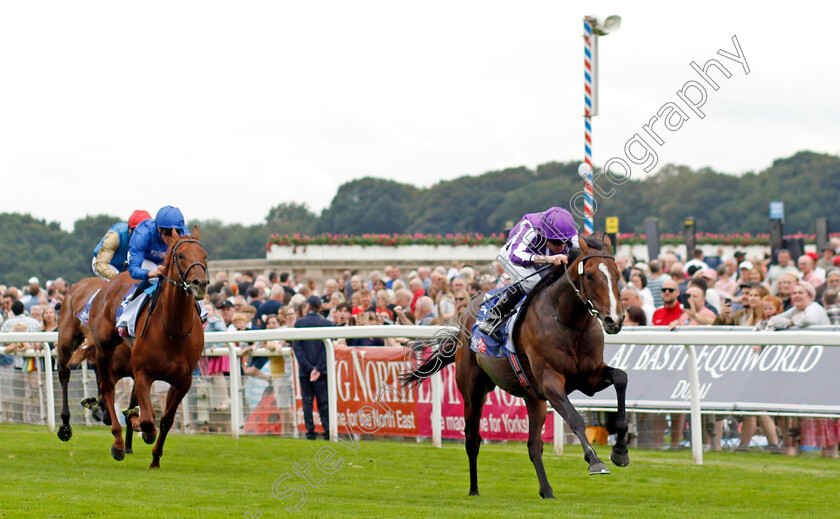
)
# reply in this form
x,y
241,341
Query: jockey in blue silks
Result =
x,y
110,256
545,237
146,252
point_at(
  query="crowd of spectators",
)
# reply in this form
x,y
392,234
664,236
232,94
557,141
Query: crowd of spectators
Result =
x,y
737,290
719,290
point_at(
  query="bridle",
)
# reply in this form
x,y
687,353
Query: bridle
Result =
x,y
182,274
581,294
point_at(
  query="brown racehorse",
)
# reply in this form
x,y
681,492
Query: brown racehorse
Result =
x,y
169,340
560,346
71,334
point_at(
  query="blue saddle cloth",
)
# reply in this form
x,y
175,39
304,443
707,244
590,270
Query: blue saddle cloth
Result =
x,y
484,344
84,315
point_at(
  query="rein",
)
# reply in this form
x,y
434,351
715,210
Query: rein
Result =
x,y
182,284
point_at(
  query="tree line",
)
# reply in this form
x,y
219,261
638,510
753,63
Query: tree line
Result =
x,y
808,184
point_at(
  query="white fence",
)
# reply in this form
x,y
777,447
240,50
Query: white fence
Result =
x,y
688,337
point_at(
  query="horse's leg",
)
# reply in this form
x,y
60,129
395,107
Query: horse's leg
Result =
x,y
142,391
554,388
173,400
65,431
601,378
106,389
473,385
129,425
536,419
619,454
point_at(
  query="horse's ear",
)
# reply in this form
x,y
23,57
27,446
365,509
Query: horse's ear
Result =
x,y
196,234
608,243
170,240
584,247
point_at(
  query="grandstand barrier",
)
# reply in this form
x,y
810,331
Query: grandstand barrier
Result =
x,y
792,375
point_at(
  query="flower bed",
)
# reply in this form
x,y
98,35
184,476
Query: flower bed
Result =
x,y
497,240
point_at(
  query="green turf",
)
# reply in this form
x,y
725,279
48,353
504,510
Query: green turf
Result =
x,y
216,476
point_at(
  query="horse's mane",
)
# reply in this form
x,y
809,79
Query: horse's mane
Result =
x,y
556,273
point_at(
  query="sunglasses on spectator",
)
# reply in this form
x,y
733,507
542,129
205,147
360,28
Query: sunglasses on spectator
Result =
x,y
669,289
460,299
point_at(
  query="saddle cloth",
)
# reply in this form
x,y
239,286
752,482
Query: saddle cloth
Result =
x,y
84,315
484,344
136,306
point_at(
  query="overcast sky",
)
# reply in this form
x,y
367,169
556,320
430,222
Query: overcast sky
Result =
x,y
228,108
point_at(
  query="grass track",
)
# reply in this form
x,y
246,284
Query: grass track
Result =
x,y
216,476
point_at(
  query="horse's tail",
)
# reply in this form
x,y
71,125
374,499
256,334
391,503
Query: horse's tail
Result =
x,y
447,342
85,352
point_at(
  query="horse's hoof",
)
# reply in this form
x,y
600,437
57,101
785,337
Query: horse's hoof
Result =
x,y
155,464
118,454
474,493
621,459
598,468
65,433
149,438
547,495
129,450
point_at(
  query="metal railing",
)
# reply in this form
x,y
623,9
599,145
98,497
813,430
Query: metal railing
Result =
x,y
689,337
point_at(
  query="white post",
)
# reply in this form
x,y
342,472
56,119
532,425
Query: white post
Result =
x,y
696,421
235,400
332,390
559,430
85,392
437,401
48,372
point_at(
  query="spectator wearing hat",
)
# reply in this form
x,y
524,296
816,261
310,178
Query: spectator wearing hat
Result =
x,y
312,361
696,261
33,293
227,309
827,260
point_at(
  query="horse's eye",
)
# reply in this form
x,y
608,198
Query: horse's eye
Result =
x,y
180,257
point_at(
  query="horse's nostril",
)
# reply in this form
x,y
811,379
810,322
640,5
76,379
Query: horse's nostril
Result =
x,y
608,320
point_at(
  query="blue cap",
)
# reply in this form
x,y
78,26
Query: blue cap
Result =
x,y
169,218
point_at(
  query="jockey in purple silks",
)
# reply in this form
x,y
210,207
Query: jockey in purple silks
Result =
x,y
545,237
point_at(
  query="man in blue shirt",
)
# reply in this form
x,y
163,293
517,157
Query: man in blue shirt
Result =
x,y
312,359
146,252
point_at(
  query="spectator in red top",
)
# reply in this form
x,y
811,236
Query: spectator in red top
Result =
x,y
671,310
806,267
367,301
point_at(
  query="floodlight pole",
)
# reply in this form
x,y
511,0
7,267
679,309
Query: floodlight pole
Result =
x,y
592,28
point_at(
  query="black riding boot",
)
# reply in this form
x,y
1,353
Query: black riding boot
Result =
x,y
499,313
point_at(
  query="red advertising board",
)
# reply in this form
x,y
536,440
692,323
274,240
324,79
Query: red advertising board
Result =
x,y
505,416
369,396
369,393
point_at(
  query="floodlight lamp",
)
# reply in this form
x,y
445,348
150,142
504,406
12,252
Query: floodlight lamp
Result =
x,y
611,24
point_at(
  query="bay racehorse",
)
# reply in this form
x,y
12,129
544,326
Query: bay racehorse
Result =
x,y
169,341
71,335
559,345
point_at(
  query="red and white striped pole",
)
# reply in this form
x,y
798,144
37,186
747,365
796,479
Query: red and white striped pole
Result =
x,y
587,168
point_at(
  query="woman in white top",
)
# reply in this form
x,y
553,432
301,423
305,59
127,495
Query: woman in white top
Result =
x,y
804,312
